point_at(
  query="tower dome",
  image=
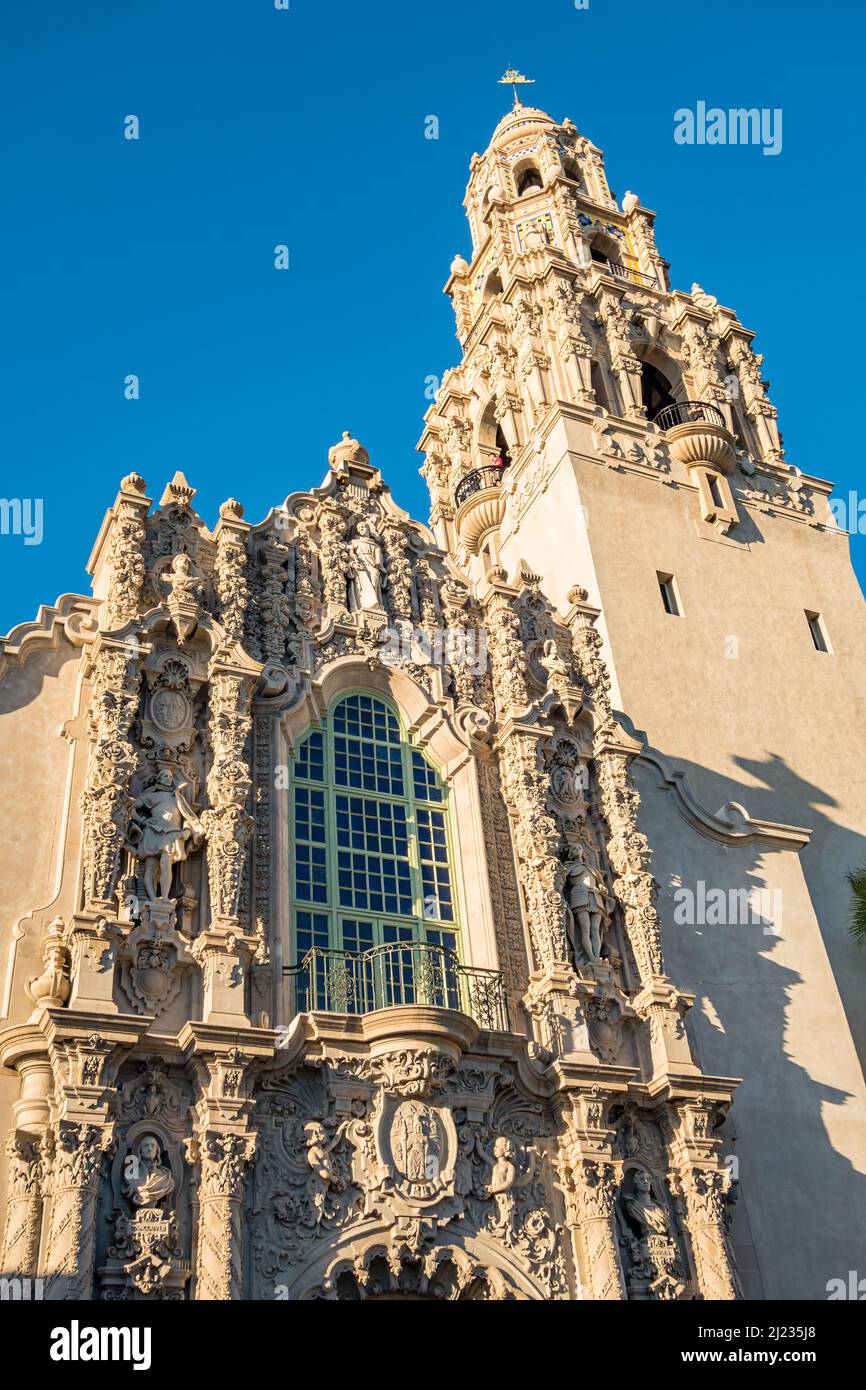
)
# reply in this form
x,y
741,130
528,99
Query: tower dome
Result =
x,y
520,121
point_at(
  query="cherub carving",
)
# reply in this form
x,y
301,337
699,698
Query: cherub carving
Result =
x,y
506,1178
323,1174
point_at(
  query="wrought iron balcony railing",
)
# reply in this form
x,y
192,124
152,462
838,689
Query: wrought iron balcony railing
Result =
x,y
488,476
394,976
688,412
629,272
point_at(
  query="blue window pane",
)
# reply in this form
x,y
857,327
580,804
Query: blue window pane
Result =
x,y
310,760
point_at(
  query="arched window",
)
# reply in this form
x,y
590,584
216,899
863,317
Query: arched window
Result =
x,y
529,179
655,389
373,896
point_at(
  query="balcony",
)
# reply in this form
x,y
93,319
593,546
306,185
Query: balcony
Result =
x,y
698,435
630,273
480,505
406,974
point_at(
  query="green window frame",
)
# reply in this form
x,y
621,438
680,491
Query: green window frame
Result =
x,y
371,844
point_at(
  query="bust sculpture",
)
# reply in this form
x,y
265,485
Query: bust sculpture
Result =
x,y
147,1180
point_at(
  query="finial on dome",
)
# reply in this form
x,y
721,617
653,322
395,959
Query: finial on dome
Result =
x,y
514,77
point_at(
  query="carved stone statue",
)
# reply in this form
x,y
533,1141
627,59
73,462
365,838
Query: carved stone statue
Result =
x,y
323,1174
505,1178
163,832
647,1213
147,1180
367,569
586,904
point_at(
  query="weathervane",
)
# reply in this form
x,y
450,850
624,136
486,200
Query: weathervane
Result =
x,y
513,76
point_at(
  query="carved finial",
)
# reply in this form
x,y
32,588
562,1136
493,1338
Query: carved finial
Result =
x,y
133,482
347,451
459,266
231,509
178,492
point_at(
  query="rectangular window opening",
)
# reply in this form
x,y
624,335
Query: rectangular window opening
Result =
x,y
668,591
818,631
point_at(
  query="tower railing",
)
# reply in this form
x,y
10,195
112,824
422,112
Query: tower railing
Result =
x,y
395,976
637,277
489,475
688,412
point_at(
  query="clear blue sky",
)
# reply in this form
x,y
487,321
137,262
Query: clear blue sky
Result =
x,y
306,127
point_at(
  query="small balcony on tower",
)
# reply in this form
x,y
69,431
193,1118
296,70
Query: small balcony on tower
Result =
x,y
698,435
478,498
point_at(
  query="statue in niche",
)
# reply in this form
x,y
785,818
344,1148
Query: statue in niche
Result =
x,y
147,1181
654,1253
586,902
648,1214
184,586
366,568
164,831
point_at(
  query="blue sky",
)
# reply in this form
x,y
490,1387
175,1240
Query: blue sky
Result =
x,y
306,127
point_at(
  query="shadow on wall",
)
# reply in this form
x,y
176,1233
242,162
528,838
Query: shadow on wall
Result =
x,y
803,1206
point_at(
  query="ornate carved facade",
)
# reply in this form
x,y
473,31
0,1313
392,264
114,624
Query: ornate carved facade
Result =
x,y
351,984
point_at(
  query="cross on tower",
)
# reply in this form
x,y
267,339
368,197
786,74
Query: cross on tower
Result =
x,y
513,76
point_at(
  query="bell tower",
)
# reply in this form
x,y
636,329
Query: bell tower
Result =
x,y
613,436
572,342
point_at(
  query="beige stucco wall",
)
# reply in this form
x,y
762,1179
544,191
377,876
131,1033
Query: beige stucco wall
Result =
x,y
778,728
37,697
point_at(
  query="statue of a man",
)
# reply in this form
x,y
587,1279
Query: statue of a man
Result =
x,y
163,832
147,1180
367,564
586,903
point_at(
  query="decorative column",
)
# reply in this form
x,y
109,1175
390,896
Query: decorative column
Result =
x,y
590,1179
225,948
622,358
524,782
573,349
73,1156
701,355
114,670
555,998
222,1149
19,1252
705,1193
705,1189
634,887
78,1139
753,389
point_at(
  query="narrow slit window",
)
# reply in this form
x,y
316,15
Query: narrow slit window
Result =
x,y
818,631
668,591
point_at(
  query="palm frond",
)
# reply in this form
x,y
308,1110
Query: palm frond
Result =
x,y
857,880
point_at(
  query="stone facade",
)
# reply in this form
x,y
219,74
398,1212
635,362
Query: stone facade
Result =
x,y
197,1107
